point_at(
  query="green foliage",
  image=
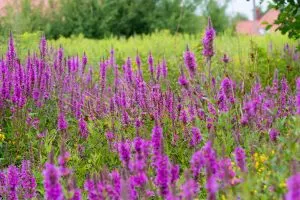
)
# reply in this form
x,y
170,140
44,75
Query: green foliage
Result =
x,y
217,13
248,59
289,17
99,19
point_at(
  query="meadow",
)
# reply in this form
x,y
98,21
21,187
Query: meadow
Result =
x,y
155,116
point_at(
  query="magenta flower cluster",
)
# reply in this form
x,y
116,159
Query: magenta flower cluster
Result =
x,y
148,169
18,183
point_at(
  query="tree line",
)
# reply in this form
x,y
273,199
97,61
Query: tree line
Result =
x,y
103,18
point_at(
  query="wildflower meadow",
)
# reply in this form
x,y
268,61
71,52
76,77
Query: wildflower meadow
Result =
x,y
204,123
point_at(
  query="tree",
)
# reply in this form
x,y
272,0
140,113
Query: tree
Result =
x,y
289,17
217,13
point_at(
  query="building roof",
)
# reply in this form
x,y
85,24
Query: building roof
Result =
x,y
258,27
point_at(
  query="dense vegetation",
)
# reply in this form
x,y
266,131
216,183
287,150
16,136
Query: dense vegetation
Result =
x,y
150,118
100,19
289,18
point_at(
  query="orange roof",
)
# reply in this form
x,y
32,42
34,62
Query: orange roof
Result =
x,y
269,18
246,27
255,27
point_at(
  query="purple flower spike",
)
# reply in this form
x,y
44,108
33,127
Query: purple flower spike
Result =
x,y
27,181
43,46
240,158
76,195
53,188
208,41
183,81
157,139
196,136
62,123
293,185
124,153
190,189
298,95
83,129
162,175
273,134
212,187
12,182
190,62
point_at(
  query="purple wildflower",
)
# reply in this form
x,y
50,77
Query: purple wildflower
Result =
x,y
116,181
83,128
62,123
190,189
91,189
190,62
298,95
208,49
240,158
226,172
124,153
2,184
293,185
63,158
157,139
151,67
162,175
197,162
164,68
196,136
109,136
12,182
184,117
212,187
76,194
43,46
53,188
183,81
273,133
27,181
174,173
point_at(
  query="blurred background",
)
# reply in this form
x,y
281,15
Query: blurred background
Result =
x,y
124,18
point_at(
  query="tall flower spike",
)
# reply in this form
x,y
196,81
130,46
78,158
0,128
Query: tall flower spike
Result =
x,y
240,158
11,53
12,182
139,63
162,175
190,188
212,187
27,181
62,123
124,153
164,68
293,185
208,41
190,62
157,139
196,136
43,46
2,184
298,95
53,188
151,67
83,129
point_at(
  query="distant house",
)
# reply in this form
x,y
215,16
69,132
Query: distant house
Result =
x,y
258,27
